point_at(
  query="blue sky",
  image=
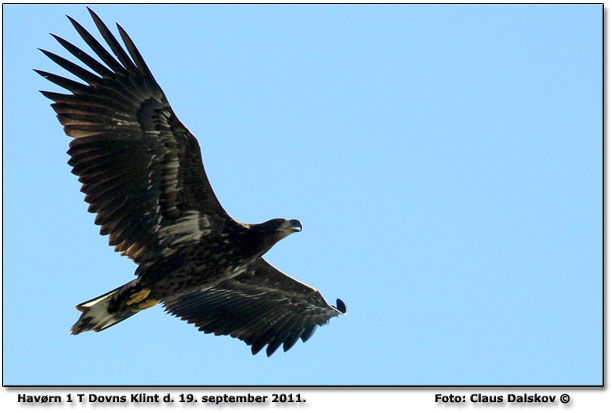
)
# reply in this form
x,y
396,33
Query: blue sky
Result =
x,y
445,161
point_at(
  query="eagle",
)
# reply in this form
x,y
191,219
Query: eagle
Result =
x,y
142,174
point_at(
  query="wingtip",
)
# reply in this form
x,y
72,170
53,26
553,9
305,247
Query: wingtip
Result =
x,y
47,53
71,20
122,32
43,74
47,94
93,15
308,332
340,306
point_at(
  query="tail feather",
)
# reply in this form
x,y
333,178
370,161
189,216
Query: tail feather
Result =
x,y
104,311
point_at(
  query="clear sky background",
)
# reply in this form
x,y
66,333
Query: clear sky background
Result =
x,y
445,161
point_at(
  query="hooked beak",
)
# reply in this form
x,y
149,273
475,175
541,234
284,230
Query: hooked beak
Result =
x,y
294,225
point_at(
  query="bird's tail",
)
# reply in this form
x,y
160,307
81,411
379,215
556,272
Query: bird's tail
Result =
x,y
110,308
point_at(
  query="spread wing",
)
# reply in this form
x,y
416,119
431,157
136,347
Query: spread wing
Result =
x,y
141,169
262,306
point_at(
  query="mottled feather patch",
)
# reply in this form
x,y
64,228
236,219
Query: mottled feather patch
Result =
x,y
188,229
138,296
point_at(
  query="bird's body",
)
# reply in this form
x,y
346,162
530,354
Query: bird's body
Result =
x,y
143,177
195,267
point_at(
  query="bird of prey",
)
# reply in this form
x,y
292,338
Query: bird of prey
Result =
x,y
142,174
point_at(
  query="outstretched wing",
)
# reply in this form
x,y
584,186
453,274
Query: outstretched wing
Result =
x,y
262,306
141,169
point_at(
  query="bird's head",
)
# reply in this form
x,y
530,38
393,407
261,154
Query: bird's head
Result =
x,y
265,235
281,227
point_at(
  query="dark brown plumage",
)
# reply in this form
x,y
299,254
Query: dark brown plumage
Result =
x,y
143,177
